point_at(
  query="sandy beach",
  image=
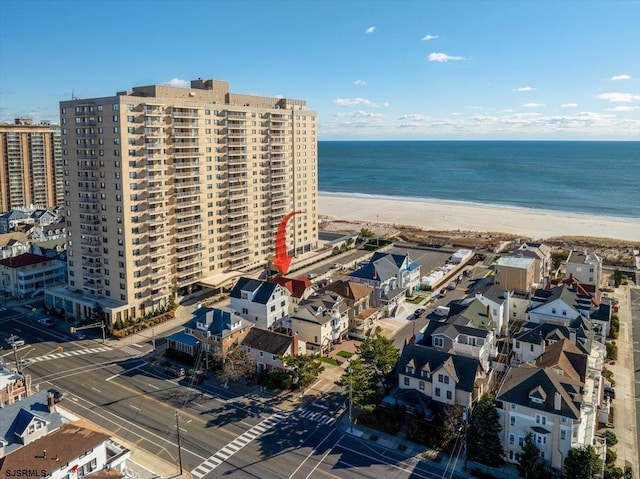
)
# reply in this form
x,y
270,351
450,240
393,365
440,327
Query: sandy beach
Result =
x,y
450,216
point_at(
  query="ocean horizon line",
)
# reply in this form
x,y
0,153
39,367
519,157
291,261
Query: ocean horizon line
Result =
x,y
403,140
503,206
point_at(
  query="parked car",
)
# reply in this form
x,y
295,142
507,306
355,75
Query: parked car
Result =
x,y
467,272
443,292
452,285
609,393
196,376
47,322
14,341
174,371
337,265
312,275
419,312
57,395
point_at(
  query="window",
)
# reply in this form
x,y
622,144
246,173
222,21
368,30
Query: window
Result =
x,y
512,421
449,395
512,439
438,342
520,441
563,435
541,419
406,381
517,344
438,392
421,385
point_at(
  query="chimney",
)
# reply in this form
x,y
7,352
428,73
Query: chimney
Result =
x,y
557,401
573,336
295,344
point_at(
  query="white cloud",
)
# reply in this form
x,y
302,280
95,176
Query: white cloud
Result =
x,y
507,110
426,38
370,30
525,88
533,105
353,102
623,108
569,105
443,57
620,77
360,82
358,114
619,97
177,82
412,117
386,104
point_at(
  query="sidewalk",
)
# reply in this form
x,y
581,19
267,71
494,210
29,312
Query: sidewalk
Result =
x,y
624,412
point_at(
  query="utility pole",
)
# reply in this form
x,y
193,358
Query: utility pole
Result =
x,y
179,448
350,371
103,337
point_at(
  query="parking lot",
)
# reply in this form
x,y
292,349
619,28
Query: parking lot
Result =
x,y
427,259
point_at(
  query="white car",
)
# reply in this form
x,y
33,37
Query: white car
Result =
x,y
337,266
14,341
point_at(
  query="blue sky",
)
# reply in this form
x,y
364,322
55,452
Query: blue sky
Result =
x,y
371,69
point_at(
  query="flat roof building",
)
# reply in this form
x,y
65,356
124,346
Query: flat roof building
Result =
x,y
168,185
31,171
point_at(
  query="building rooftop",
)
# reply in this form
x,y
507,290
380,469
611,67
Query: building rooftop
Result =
x,y
515,261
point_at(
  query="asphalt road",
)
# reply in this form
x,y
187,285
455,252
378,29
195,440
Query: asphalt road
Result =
x,y
221,435
634,298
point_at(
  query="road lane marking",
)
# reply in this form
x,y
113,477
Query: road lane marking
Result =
x,y
96,389
153,386
135,407
311,453
125,371
324,457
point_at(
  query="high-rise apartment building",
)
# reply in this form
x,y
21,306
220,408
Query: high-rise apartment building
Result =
x,y
166,186
30,165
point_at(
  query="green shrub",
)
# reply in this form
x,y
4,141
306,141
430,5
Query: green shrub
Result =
x,y
344,354
612,350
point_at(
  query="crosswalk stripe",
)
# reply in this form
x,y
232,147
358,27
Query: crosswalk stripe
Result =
x,y
237,444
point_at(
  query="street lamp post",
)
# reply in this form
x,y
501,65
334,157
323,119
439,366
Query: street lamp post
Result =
x,y
350,371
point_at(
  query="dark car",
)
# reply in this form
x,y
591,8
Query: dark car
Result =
x,y
57,395
609,393
443,292
419,312
174,371
195,376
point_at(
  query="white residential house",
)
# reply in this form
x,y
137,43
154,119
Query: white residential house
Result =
x,y
467,341
556,400
261,302
390,276
321,321
534,339
442,377
562,305
587,268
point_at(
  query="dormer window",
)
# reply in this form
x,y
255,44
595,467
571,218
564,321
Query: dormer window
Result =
x,y
410,370
244,295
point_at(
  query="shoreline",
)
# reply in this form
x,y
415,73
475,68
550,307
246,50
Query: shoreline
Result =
x,y
443,215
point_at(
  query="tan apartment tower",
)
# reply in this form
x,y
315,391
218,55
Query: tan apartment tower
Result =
x,y
30,165
167,187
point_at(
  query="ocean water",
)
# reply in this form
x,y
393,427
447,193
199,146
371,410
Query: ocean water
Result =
x,y
600,178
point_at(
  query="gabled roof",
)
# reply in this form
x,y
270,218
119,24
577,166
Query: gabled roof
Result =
x,y
14,215
566,356
23,419
13,417
520,382
296,286
218,320
13,237
381,267
262,290
454,330
62,447
534,333
349,289
462,368
318,309
268,341
493,292
25,259
475,314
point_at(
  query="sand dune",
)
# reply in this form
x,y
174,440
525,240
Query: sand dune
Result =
x,y
444,215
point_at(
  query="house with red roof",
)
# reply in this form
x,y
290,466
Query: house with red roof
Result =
x,y
28,275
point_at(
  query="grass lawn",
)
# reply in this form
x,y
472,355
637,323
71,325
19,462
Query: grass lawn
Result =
x,y
344,354
325,359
